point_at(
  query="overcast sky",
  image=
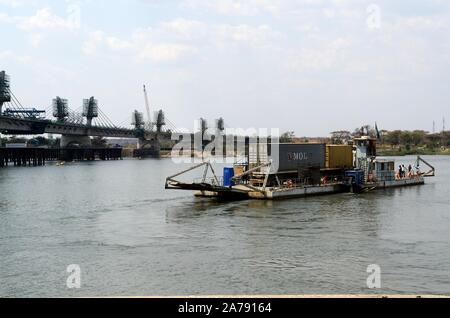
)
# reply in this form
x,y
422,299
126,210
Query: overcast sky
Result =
x,y
312,66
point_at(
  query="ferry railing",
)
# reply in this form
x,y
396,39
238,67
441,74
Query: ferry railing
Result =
x,y
239,177
216,181
305,182
241,162
432,171
293,183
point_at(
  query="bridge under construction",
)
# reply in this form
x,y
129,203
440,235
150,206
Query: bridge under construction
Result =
x,y
76,127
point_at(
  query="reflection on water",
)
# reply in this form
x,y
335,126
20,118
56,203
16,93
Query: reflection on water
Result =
x,y
132,237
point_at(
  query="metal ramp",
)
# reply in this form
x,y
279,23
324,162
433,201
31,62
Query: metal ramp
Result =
x,y
214,188
431,172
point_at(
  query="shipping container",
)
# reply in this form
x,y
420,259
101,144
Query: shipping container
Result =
x,y
339,156
287,157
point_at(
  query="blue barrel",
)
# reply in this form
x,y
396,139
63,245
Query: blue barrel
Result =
x,y
228,173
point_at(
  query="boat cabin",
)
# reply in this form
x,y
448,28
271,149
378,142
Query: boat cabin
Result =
x,y
382,170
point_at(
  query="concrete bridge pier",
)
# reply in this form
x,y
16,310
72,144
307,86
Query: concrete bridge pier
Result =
x,y
68,140
152,143
148,148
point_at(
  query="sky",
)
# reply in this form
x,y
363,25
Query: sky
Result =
x,y
310,66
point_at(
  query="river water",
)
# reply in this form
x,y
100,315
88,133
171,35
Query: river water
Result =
x,y
130,236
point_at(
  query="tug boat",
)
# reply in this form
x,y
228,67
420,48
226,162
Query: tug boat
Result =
x,y
281,171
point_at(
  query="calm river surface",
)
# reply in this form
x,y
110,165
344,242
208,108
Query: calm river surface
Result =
x,y
131,237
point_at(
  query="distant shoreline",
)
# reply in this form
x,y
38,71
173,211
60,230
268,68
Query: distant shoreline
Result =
x,y
381,153
394,153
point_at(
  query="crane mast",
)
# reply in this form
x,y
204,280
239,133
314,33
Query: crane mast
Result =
x,y
147,106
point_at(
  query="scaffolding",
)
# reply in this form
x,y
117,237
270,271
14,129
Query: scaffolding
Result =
x,y
5,94
137,120
60,108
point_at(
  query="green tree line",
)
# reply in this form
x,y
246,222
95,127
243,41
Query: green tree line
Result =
x,y
40,141
398,141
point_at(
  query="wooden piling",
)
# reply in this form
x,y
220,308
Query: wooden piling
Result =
x,y
35,157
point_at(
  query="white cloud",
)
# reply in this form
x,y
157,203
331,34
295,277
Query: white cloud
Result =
x,y
98,39
345,13
5,54
184,27
140,46
10,55
237,7
4,18
174,39
44,18
323,57
117,44
36,39
423,23
91,45
279,8
11,3
308,28
166,52
259,36
329,13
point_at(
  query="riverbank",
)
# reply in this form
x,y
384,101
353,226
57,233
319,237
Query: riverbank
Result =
x,y
415,152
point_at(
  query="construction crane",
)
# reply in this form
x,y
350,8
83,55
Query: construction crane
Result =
x,y
147,106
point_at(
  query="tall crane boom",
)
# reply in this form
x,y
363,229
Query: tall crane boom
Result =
x,y
147,106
